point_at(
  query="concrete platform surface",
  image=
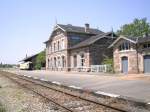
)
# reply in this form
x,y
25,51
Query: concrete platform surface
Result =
x,y
135,86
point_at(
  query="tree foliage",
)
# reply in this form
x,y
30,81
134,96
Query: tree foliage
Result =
x,y
40,60
6,65
138,27
108,61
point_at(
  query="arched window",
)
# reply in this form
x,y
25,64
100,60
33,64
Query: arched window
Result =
x,y
125,46
58,46
63,44
82,60
58,61
75,60
63,61
54,47
48,63
51,62
55,62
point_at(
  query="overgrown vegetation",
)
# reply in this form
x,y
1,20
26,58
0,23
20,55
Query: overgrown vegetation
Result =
x,y
138,27
40,60
108,61
6,65
2,109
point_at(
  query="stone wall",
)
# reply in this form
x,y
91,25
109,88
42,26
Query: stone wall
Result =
x,y
78,52
134,59
99,51
58,53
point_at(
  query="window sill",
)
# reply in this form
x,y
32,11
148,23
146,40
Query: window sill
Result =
x,y
126,51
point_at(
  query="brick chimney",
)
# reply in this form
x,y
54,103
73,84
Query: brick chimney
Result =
x,y
87,27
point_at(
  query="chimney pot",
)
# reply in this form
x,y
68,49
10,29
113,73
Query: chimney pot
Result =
x,y
87,26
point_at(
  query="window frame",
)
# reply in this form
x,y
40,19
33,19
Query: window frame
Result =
x,y
82,60
125,46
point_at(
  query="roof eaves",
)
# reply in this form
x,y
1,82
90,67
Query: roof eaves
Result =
x,y
76,47
45,42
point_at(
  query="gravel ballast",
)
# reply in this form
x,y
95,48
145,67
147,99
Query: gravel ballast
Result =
x,y
16,99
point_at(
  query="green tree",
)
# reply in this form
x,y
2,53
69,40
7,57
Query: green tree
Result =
x,y
40,60
108,61
138,27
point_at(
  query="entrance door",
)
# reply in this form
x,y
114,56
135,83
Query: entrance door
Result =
x,y
125,65
147,64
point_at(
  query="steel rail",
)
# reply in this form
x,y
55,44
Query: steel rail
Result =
x,y
48,99
31,80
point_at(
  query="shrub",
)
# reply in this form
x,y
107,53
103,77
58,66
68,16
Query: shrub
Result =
x,y
2,109
108,61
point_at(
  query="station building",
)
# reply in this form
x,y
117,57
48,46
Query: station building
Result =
x,y
131,54
75,48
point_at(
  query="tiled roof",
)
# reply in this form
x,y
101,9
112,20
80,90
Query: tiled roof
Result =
x,y
140,39
91,40
135,40
78,29
28,58
143,39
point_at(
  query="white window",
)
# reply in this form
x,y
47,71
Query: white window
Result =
x,y
58,45
75,60
58,61
125,46
54,47
82,60
50,49
63,44
63,61
146,45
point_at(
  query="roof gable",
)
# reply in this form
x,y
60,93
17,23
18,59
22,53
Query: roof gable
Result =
x,y
74,29
53,33
133,40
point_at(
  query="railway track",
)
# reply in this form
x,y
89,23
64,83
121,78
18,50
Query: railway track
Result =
x,y
68,102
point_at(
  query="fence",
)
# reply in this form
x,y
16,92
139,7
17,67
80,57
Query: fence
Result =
x,y
92,68
101,68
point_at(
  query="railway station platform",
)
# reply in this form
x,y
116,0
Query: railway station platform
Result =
x,y
134,86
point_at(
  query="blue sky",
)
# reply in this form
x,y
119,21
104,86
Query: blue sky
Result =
x,y
26,24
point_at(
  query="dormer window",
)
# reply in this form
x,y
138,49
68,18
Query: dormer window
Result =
x,y
125,46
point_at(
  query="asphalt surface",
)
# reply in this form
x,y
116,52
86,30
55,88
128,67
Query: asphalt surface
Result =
x,y
134,88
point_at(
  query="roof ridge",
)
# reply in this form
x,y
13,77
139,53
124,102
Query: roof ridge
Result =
x,y
77,26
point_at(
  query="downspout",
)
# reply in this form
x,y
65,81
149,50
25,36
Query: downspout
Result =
x,y
137,58
113,70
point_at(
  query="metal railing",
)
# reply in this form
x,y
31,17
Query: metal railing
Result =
x,y
101,68
92,68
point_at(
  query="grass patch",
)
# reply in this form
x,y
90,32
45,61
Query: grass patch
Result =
x,y
2,109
